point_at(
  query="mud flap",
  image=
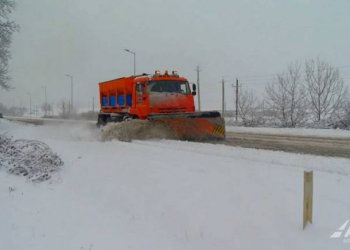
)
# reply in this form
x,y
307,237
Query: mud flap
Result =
x,y
198,126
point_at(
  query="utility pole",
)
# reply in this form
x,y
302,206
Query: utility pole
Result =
x,y
45,104
30,104
199,92
236,99
223,97
93,104
237,86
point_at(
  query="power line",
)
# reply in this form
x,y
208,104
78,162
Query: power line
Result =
x,y
269,75
254,79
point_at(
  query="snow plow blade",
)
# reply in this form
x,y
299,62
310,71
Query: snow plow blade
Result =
x,y
198,126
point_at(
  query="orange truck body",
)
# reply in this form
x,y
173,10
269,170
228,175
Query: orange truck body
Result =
x,y
113,94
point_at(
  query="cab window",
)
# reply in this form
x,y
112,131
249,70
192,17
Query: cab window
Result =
x,y
169,86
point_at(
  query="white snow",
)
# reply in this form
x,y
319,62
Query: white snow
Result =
x,y
169,195
291,131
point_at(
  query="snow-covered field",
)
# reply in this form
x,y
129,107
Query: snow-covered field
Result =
x,y
169,195
291,131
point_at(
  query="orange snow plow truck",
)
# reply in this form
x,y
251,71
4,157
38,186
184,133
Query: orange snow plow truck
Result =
x,y
165,98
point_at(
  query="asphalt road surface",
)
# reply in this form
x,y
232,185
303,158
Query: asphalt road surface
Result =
x,y
325,146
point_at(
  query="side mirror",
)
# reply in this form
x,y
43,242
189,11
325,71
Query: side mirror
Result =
x,y
194,92
194,87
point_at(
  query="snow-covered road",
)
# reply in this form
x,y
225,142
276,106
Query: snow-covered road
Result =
x,y
169,195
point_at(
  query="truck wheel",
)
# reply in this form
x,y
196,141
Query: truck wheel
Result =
x,y
127,118
101,121
130,117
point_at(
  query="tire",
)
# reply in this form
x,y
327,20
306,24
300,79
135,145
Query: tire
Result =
x,y
129,118
102,121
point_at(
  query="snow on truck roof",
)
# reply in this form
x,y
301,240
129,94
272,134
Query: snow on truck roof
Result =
x,y
133,76
156,76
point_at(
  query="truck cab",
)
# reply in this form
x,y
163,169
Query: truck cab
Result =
x,y
159,94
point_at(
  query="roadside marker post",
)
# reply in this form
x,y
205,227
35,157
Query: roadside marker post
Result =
x,y
308,197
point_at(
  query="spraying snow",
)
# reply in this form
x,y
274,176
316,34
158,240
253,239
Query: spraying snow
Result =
x,y
137,130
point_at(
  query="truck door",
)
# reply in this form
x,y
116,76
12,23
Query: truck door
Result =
x,y
142,98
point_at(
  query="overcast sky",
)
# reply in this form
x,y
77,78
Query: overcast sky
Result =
x,y
244,39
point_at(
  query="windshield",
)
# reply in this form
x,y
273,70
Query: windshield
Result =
x,y
179,87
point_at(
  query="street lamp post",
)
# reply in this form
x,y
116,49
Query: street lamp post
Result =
x,y
45,104
71,95
134,59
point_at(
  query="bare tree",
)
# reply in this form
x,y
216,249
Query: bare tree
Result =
x,y
347,115
287,98
248,109
7,27
325,87
342,117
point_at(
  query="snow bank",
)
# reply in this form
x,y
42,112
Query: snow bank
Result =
x,y
291,131
32,159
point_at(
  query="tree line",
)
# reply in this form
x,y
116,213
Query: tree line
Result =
x,y
313,93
